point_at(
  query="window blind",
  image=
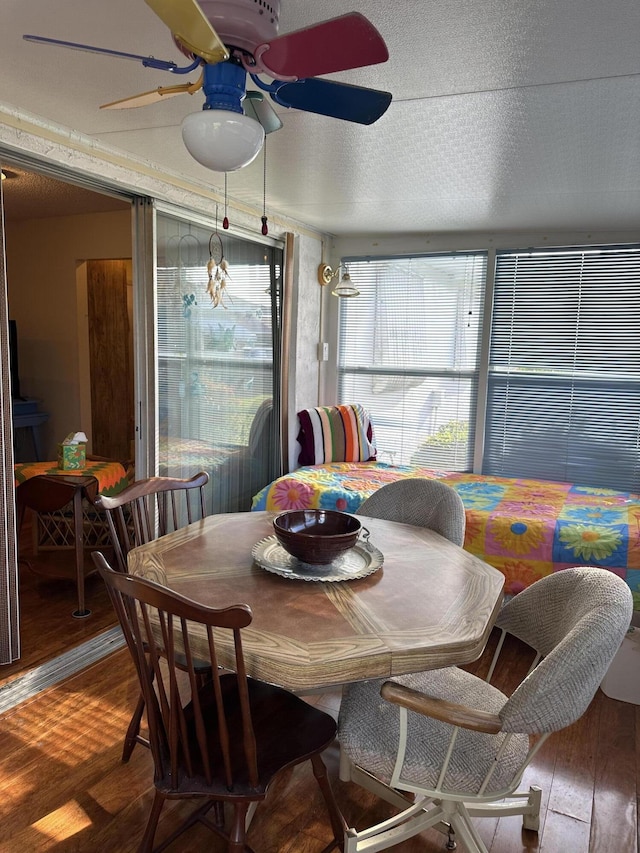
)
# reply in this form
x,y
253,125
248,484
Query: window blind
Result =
x,y
408,351
564,367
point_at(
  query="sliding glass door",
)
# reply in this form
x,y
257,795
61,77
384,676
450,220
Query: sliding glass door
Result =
x,y
218,310
9,582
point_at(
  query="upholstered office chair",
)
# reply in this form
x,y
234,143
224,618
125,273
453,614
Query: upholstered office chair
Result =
x,y
460,744
219,742
421,502
139,514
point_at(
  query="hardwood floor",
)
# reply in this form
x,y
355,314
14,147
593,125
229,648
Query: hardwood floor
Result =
x,y
47,627
64,787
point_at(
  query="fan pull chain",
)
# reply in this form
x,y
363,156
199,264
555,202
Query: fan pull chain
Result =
x,y
265,229
225,221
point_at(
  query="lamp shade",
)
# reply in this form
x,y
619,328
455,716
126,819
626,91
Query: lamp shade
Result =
x,y
222,140
346,288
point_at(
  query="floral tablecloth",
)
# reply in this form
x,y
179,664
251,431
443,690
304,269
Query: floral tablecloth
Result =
x,y
525,528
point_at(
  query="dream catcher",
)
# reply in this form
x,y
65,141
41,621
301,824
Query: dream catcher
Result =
x,y
218,270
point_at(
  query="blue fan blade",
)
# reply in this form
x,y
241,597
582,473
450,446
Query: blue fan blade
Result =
x,y
147,61
338,100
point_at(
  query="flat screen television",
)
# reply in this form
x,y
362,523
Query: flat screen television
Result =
x,y
13,360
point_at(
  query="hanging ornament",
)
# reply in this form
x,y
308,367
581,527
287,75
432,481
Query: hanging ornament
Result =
x,y
265,229
186,248
225,221
188,301
217,269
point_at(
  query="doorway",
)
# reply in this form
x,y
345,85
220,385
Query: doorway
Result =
x,y
108,367
52,231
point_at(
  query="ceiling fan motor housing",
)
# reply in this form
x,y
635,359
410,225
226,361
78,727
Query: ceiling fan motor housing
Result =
x,y
243,23
224,86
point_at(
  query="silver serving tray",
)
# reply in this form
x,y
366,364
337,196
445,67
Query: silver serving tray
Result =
x,y
358,562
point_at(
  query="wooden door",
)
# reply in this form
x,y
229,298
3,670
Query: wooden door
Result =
x,y
111,358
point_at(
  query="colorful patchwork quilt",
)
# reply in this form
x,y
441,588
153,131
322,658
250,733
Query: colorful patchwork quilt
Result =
x,y
524,528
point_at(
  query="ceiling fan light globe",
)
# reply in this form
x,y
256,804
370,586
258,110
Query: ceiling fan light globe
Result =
x,y
222,140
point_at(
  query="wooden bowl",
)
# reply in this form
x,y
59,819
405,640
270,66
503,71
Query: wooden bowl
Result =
x,y
316,536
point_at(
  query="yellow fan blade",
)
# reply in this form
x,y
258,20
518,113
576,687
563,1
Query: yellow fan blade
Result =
x,y
153,96
188,23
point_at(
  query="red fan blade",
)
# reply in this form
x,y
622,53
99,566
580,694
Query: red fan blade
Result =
x,y
349,41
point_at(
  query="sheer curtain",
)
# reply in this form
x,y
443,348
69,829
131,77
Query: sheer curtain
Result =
x,y
218,367
408,351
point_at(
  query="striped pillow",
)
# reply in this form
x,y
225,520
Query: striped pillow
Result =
x,y
335,434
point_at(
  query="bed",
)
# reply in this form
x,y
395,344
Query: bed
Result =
x,y
525,528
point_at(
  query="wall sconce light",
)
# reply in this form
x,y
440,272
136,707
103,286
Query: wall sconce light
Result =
x,y
345,288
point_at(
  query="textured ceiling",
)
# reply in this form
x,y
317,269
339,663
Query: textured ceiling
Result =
x,y
506,115
32,196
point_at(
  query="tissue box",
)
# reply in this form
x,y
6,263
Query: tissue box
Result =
x,y
72,457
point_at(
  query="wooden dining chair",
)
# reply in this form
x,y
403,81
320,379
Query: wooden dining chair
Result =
x,y
139,514
421,502
222,742
150,508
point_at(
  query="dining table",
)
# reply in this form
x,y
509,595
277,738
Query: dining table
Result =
x,y
403,600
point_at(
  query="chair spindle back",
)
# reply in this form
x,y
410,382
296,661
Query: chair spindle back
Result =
x,y
150,508
199,734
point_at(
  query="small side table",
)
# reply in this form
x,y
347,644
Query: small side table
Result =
x,y
46,494
48,491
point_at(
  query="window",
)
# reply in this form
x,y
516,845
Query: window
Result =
x,y
408,351
564,367
218,375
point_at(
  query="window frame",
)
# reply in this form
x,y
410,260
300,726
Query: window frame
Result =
x,y
482,409
465,274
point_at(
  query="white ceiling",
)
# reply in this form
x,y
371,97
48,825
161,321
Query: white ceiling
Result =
x,y
506,114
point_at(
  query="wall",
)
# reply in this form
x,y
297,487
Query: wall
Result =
x,y
42,260
406,244
37,304
304,372
385,245
27,136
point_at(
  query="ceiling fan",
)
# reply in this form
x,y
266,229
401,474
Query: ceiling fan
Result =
x,y
228,39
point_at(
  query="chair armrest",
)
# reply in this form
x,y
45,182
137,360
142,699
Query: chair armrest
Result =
x,y
440,709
